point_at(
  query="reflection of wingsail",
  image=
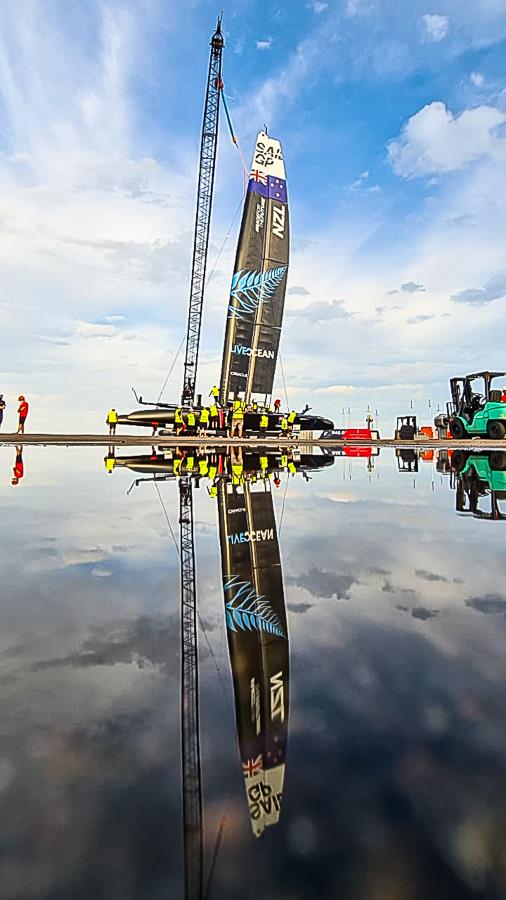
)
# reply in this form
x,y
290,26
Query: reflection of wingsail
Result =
x,y
258,643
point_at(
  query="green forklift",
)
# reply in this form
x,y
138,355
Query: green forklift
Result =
x,y
476,409
480,483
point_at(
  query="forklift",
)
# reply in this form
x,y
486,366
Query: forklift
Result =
x,y
477,409
407,428
480,484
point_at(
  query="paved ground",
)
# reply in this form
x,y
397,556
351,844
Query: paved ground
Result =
x,y
143,440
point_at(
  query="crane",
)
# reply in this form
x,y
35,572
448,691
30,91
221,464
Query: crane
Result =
x,y
207,165
190,731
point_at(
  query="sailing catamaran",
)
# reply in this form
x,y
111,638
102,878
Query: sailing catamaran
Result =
x,y
255,305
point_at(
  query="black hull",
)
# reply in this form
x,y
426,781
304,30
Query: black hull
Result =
x,y
160,418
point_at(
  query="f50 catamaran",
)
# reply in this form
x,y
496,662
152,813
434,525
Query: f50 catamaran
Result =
x,y
256,302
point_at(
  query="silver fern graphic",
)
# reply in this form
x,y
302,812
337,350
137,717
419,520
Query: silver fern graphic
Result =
x,y
248,610
249,289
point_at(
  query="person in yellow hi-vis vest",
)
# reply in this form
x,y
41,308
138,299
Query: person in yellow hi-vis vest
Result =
x,y
178,420
284,426
264,424
204,420
237,419
110,462
213,413
191,421
291,419
112,420
214,393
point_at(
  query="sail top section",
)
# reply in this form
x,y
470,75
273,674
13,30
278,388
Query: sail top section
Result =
x,y
267,162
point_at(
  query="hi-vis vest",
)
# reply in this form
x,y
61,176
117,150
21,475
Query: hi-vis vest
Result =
x,y
264,462
237,473
238,410
283,460
112,417
264,421
191,419
213,410
215,392
178,416
284,423
177,465
291,417
204,416
203,467
110,462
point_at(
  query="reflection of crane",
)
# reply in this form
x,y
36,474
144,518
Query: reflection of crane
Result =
x,y
190,735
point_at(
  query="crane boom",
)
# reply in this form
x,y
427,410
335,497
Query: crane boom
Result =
x,y
207,164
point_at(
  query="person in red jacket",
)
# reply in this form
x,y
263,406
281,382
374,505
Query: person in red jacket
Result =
x,y
23,412
19,469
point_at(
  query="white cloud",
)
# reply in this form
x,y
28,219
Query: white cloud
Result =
x,y
317,6
95,329
434,140
435,27
265,44
477,78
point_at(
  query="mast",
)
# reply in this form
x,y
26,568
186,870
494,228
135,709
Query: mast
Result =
x,y
208,146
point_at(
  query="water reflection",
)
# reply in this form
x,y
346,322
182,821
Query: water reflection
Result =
x,y
394,778
480,483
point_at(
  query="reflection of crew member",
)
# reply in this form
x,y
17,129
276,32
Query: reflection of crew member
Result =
x,y
23,412
284,426
110,461
19,469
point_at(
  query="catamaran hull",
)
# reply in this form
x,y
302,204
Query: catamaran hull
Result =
x,y
164,418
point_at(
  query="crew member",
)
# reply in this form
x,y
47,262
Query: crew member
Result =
x,y
2,407
213,412
19,469
291,419
264,424
23,412
203,467
214,393
277,405
264,465
112,420
178,420
284,426
237,418
191,421
204,420
176,465
503,397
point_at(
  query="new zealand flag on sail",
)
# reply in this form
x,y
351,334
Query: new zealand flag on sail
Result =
x,y
267,186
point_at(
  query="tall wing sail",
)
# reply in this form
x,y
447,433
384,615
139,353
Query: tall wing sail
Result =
x,y
257,294
258,643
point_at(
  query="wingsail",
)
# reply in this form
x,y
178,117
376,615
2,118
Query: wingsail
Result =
x,y
258,643
257,294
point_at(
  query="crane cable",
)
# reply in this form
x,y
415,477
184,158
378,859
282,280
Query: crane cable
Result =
x,y
234,139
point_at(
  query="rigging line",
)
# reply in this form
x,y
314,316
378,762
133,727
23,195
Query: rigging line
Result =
x,y
174,361
220,678
167,518
234,139
284,501
284,382
213,270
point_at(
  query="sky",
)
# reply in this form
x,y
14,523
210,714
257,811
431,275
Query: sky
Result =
x,y
392,118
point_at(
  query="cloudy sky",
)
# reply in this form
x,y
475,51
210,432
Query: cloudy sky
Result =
x,y
393,122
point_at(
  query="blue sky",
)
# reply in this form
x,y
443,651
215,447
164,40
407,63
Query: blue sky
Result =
x,y
393,122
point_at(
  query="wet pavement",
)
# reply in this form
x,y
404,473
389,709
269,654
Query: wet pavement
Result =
x,y
387,619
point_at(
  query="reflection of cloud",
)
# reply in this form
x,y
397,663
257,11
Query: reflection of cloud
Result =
x,y
145,640
429,576
490,603
322,583
299,607
420,612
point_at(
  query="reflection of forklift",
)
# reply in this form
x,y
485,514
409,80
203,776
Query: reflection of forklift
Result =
x,y
406,428
407,459
480,483
472,412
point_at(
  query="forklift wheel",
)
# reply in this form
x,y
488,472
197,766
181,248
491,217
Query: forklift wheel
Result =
x,y
498,460
496,430
459,459
458,429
